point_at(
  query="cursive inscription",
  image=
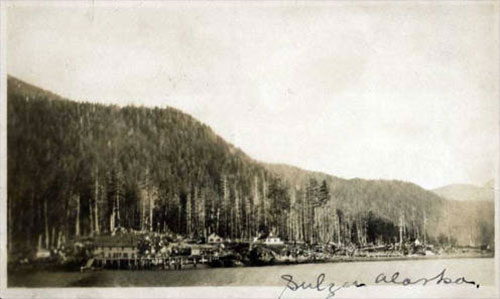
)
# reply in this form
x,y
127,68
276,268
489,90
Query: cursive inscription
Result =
x,y
330,288
440,278
319,285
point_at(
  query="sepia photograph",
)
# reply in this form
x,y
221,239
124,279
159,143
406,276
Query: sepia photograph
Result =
x,y
249,149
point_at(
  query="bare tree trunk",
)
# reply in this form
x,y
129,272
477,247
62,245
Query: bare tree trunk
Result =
x,y
96,218
143,214
53,237
40,243
256,204
91,217
59,239
359,231
77,222
151,204
400,231
264,200
96,199
118,220
188,214
425,231
237,214
47,232
338,230
311,226
303,222
112,219
179,219
217,221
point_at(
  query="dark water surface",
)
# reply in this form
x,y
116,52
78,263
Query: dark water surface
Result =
x,y
480,270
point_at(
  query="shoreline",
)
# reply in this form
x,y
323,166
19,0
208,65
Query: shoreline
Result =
x,y
336,259
343,259
248,275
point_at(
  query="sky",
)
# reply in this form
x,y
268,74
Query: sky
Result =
x,y
377,90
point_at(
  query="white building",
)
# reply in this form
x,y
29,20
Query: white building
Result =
x,y
269,239
214,239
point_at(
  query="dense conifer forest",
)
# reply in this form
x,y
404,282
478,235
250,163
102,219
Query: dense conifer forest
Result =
x,y
82,169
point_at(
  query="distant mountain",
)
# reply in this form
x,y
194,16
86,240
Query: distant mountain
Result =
x,y
85,168
467,192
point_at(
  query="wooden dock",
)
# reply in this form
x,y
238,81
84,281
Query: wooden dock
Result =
x,y
169,263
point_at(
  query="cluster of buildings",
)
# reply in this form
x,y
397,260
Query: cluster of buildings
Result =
x,y
122,252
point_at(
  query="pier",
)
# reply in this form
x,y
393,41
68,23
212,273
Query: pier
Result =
x,y
168,263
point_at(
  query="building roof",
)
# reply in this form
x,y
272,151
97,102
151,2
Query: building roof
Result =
x,y
124,240
267,236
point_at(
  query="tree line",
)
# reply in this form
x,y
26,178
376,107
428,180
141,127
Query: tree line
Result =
x,y
81,169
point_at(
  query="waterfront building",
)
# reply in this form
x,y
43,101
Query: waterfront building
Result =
x,y
215,239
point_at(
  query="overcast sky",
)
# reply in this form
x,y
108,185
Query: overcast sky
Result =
x,y
390,90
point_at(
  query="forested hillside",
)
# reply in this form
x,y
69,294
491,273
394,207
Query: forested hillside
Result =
x,y
78,169
467,192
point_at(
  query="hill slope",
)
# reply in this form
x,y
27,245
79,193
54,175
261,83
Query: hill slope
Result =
x,y
82,168
466,192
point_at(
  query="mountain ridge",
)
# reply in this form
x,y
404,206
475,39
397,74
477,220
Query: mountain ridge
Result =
x,y
80,168
467,192
268,165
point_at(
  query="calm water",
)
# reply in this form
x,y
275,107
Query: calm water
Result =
x,y
480,270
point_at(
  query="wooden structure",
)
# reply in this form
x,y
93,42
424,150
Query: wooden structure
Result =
x,y
268,239
121,252
116,251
